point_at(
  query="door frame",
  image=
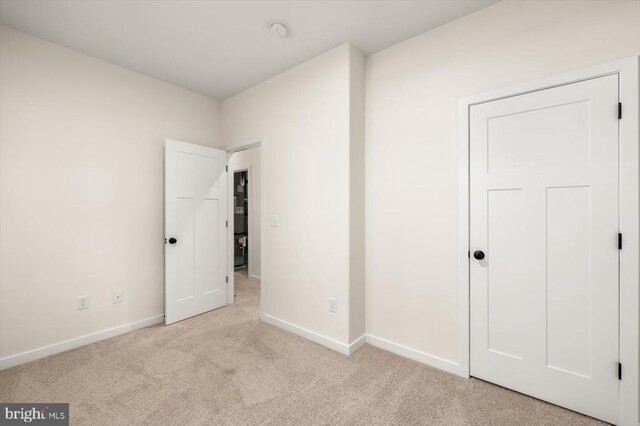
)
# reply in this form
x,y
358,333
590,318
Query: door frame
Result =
x,y
232,171
629,212
259,143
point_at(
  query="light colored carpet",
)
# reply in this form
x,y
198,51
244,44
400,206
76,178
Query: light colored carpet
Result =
x,y
227,367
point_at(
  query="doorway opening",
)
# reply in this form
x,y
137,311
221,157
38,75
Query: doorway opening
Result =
x,y
245,226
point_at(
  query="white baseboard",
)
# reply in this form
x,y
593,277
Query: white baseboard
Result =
x,y
66,345
255,277
416,355
396,348
308,334
357,344
405,351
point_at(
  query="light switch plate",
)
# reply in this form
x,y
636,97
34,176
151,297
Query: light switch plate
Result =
x,y
273,220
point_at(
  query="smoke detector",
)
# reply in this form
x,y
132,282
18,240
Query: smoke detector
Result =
x,y
278,28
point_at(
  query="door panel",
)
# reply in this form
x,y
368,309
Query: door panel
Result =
x,y
209,219
195,215
568,279
559,139
544,209
504,295
185,278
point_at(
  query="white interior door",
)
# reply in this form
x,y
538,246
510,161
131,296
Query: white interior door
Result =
x,y
544,211
195,230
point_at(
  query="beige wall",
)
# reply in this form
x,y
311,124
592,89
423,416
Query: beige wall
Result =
x,y
81,178
81,173
303,117
413,90
356,196
245,159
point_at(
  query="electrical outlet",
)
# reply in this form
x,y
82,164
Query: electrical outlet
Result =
x,y
116,296
333,305
83,302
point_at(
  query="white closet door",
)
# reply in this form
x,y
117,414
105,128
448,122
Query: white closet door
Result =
x,y
195,230
544,211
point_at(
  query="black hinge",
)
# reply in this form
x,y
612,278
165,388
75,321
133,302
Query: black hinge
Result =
x,y
226,168
619,371
226,223
469,254
619,110
226,279
619,241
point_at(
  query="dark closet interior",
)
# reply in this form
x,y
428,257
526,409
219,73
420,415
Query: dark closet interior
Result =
x,y
241,219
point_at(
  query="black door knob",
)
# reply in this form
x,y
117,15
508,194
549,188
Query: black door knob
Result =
x,y
478,254
172,240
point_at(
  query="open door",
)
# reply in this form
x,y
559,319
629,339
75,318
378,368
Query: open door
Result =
x,y
195,196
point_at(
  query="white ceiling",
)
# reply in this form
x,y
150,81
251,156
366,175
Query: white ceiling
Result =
x,y
220,48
